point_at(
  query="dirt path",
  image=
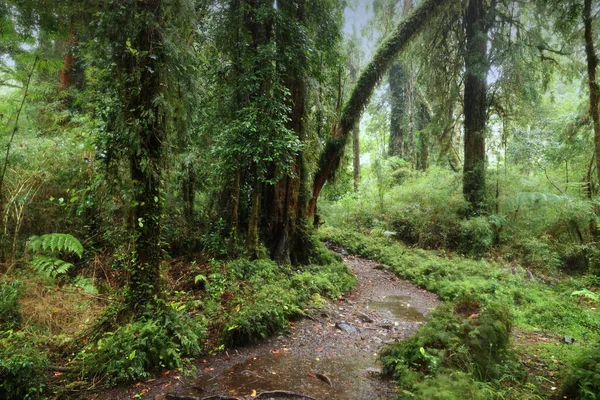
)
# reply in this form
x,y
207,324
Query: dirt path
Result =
x,y
339,344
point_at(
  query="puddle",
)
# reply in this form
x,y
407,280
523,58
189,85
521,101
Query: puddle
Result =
x,y
399,306
349,377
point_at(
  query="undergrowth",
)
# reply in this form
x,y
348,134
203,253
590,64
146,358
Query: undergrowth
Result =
x,y
442,353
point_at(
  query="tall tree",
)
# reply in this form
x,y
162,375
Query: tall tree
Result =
x,y
592,66
401,86
475,108
135,47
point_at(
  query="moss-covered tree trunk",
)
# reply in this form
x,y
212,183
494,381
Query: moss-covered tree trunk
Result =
x,y
476,68
145,162
356,156
592,66
287,239
362,91
397,79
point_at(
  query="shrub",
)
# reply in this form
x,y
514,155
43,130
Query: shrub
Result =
x,y
476,236
10,315
135,349
266,314
22,368
448,386
583,379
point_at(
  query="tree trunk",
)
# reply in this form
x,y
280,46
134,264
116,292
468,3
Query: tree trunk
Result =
x,y
397,79
369,77
65,75
287,241
356,156
476,67
592,65
145,164
411,115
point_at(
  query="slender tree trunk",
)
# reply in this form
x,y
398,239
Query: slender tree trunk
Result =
x,y
356,156
397,79
399,92
188,189
408,28
592,65
476,67
411,115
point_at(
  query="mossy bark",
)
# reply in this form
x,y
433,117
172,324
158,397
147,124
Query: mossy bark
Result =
x,y
356,156
407,29
145,164
476,68
397,79
592,65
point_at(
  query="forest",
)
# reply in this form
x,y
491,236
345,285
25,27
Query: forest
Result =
x,y
300,199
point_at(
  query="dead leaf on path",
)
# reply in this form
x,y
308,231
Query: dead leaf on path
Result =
x,y
253,394
324,378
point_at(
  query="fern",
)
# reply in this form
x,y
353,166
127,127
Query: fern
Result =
x,y
56,242
50,265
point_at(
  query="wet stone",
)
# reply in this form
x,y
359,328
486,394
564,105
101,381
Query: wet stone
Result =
x,y
346,327
362,317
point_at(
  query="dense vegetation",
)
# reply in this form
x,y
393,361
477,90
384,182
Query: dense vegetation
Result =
x,y
170,169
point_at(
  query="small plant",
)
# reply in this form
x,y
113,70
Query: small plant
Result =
x,y
135,349
583,378
10,315
22,368
53,244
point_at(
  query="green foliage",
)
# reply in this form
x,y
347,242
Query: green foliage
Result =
x,y
54,243
465,336
267,314
23,368
10,315
451,385
477,236
582,379
137,348
277,295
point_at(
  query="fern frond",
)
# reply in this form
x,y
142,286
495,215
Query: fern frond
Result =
x,y
49,266
56,242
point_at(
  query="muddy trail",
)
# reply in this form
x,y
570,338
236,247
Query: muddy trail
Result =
x,y
329,355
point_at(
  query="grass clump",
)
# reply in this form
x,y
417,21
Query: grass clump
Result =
x,y
22,367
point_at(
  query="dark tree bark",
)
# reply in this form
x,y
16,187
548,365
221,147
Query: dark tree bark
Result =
x,y
65,75
287,239
369,77
145,164
397,78
592,65
476,68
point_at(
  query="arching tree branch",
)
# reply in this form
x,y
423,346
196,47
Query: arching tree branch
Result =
x,y
408,28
